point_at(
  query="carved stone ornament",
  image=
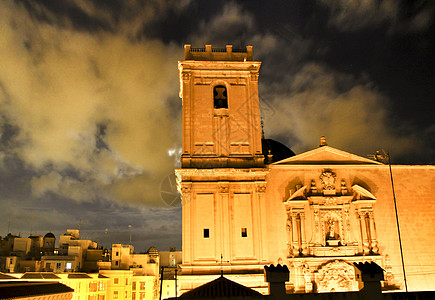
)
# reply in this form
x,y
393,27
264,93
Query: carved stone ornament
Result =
x,y
330,201
313,187
254,76
336,276
223,189
343,187
186,75
261,188
185,190
328,180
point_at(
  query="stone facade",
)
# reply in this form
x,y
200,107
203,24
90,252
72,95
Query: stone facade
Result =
x,y
318,212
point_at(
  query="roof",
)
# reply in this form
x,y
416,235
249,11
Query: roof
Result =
x,y
16,289
39,275
327,155
221,287
49,235
153,250
78,275
279,151
6,276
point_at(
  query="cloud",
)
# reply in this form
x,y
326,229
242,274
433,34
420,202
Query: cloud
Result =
x,y
89,113
301,99
232,25
348,111
92,109
400,17
352,15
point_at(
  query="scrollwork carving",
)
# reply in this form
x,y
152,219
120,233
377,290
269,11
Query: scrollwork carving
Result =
x,y
254,76
186,75
185,190
328,180
223,189
261,188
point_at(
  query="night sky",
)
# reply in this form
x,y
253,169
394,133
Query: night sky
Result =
x,y
90,116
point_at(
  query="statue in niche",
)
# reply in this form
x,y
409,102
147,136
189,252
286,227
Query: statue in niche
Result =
x,y
332,236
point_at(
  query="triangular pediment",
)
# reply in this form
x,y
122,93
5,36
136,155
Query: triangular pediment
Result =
x,y
326,156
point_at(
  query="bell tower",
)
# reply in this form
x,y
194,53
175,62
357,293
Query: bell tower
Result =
x,y
221,115
222,178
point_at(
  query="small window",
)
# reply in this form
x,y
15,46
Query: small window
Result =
x,y
126,281
206,233
220,97
117,253
115,295
116,263
134,285
115,280
244,232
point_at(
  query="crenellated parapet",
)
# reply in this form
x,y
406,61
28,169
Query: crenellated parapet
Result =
x,y
218,54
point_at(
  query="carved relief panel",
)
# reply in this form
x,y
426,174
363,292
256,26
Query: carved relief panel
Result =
x,y
332,208
331,219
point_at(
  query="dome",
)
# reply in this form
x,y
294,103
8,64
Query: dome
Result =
x,y
278,150
49,235
153,251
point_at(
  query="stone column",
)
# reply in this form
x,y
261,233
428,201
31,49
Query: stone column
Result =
x,y
303,234
347,235
289,229
317,240
185,93
187,219
295,234
224,219
364,240
374,242
260,190
341,231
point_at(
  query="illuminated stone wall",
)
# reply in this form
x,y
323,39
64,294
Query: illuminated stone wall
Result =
x,y
414,186
317,212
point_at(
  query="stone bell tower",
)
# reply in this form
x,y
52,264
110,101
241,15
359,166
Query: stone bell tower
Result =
x,y
222,178
221,115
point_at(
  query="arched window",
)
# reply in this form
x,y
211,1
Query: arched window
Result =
x,y
220,97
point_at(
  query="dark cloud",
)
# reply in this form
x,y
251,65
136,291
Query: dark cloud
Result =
x,y
90,118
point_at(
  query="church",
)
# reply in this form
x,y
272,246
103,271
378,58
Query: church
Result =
x,y
248,201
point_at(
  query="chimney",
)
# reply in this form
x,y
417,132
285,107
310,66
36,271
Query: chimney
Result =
x,y
276,277
371,275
